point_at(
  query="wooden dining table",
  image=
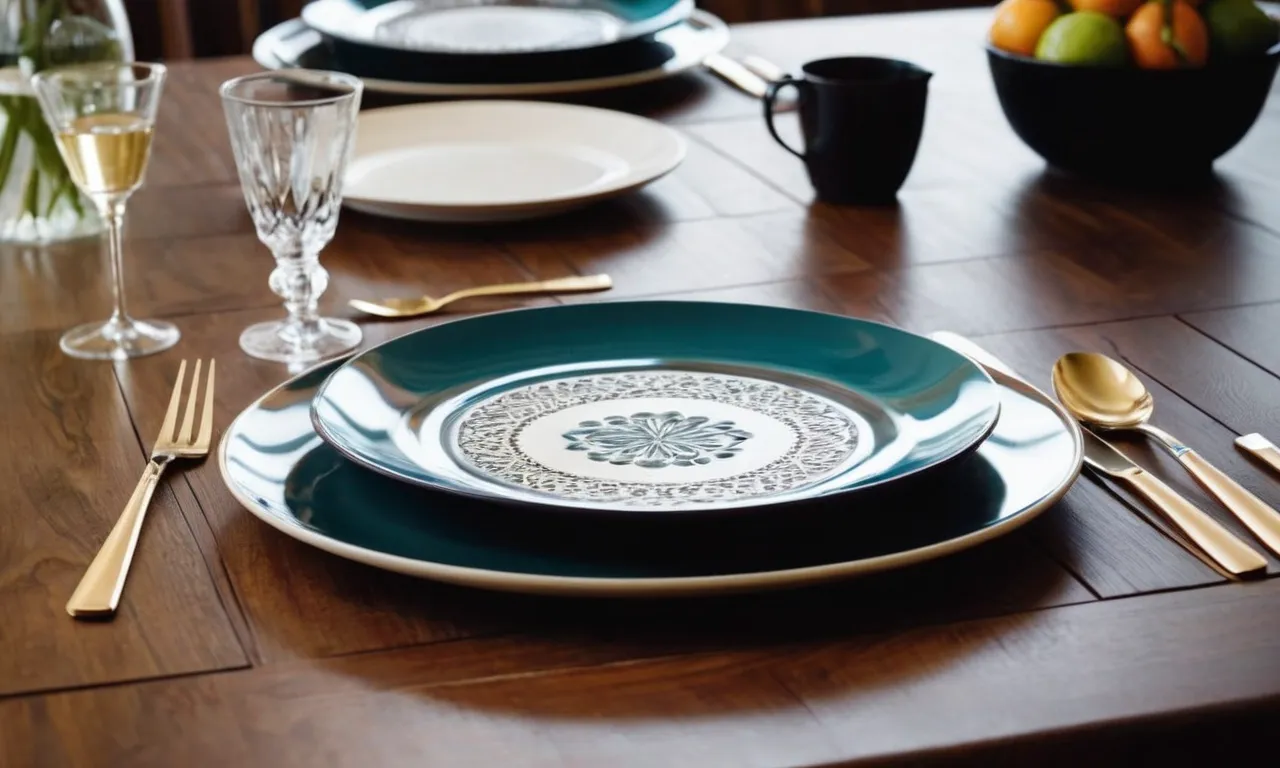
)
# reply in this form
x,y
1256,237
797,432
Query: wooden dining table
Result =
x,y
1088,633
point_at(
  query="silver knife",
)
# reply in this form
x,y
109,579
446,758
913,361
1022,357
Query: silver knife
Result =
x,y
736,74
751,75
1231,553
763,67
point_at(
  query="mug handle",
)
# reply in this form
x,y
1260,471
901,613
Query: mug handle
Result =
x,y
771,96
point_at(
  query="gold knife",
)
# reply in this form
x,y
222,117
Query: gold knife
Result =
x,y
1231,553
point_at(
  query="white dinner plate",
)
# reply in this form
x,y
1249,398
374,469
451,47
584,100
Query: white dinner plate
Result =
x,y
486,161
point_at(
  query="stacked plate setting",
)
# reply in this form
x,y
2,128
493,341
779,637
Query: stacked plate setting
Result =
x,y
492,161
495,47
649,448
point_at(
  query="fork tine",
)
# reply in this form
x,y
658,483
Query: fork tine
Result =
x,y
189,416
206,418
171,415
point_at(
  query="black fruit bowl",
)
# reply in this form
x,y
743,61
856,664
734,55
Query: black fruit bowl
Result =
x,y
1131,124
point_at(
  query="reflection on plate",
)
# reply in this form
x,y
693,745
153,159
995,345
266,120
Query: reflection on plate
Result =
x,y
650,407
279,469
492,26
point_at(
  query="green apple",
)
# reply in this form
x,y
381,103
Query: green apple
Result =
x,y
1084,37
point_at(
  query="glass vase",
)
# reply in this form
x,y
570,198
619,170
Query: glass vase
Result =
x,y
38,202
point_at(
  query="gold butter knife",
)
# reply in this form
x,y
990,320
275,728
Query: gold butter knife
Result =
x,y
1232,553
1228,551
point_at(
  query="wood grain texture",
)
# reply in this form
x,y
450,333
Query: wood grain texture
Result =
x,y
1109,661
999,654
71,459
1096,536
1247,331
931,688
685,256
1151,347
1232,391
304,603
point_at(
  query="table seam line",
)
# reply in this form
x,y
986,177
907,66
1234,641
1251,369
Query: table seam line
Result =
x,y
748,170
1243,356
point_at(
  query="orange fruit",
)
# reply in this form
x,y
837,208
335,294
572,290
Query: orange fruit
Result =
x,y
1190,46
1116,8
1018,24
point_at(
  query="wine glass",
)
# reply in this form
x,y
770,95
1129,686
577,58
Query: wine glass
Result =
x,y
292,132
102,116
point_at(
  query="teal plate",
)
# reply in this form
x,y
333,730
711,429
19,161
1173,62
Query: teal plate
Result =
x,y
656,406
280,470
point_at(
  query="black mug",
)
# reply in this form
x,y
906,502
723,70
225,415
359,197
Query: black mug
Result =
x,y
862,118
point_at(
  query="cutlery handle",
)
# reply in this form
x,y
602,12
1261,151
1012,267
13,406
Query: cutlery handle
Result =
x,y
558,285
1258,516
580,283
736,75
1261,449
1234,555
99,590
763,67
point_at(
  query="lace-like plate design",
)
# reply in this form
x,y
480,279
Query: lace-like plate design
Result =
x,y
657,438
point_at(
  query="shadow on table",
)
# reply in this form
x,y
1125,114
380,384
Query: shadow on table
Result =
x,y
663,98
1002,577
636,215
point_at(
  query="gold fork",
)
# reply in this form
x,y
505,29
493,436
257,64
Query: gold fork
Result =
x,y
99,590
425,305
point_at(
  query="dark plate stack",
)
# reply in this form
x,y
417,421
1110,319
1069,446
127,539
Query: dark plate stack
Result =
x,y
495,47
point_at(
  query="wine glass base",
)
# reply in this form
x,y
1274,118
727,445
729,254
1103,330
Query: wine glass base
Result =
x,y
119,339
280,341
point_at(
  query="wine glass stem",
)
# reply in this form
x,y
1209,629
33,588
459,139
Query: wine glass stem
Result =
x,y
299,279
112,212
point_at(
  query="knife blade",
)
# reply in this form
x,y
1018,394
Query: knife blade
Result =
x,y
1228,551
1231,552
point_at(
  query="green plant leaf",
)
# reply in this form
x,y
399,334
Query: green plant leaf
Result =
x,y
31,196
8,146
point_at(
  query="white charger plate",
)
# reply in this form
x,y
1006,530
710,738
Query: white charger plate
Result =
x,y
489,161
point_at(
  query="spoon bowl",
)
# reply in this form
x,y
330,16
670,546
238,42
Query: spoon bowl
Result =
x,y
1101,392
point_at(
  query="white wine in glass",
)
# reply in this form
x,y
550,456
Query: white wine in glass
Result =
x,y
103,116
107,153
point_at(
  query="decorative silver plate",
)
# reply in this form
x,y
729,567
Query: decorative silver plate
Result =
x,y
655,407
657,438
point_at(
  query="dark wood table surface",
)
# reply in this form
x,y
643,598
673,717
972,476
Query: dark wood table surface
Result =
x,y
1086,633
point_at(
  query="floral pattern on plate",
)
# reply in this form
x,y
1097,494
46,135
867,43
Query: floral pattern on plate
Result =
x,y
657,440
691,438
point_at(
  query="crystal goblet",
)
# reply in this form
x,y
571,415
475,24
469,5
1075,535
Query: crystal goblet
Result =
x,y
292,132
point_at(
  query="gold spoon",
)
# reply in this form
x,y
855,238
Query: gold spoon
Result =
x,y
1103,393
425,305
